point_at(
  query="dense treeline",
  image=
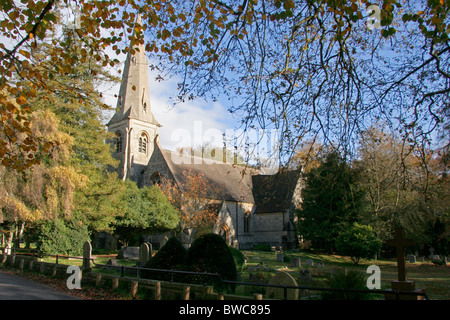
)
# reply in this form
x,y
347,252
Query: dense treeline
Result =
x,y
388,184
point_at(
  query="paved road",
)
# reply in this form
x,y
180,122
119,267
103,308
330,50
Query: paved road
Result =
x,y
13,287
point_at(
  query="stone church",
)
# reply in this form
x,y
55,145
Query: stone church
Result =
x,y
253,208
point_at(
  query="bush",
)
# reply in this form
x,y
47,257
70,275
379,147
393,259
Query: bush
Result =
x,y
62,237
346,280
238,257
172,256
360,241
210,253
262,247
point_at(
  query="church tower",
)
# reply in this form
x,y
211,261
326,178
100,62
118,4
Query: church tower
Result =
x,y
133,123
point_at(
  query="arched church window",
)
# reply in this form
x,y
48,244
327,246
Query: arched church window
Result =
x,y
247,222
143,141
119,141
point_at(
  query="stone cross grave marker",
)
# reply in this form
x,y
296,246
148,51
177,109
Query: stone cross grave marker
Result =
x,y
400,243
87,251
282,279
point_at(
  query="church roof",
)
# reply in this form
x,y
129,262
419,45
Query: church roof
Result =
x,y
274,193
230,182
270,193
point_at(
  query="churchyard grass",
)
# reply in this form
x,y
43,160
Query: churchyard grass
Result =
x,y
436,279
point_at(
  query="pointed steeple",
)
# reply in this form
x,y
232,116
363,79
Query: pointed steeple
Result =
x,y
134,99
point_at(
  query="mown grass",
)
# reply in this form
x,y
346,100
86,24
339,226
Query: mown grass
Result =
x,y
435,279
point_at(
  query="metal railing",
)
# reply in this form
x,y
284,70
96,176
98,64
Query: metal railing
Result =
x,y
205,275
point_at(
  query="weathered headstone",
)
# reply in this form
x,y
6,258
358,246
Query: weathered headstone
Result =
x,y
87,251
320,264
304,276
296,262
282,279
129,253
412,258
431,256
144,253
280,257
309,262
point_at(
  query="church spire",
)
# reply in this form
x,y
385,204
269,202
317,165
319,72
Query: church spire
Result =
x,y
133,124
134,99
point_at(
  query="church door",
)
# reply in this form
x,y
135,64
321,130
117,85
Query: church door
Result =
x,y
224,232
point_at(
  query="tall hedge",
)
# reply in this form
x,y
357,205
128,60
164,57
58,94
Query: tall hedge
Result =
x,y
62,237
210,253
172,256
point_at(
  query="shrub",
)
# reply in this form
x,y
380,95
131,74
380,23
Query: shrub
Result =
x,y
62,237
172,256
262,247
346,280
360,241
238,257
210,253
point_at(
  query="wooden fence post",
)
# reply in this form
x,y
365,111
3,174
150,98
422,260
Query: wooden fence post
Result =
x,y
158,290
186,292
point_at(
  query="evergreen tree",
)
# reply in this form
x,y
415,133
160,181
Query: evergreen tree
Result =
x,y
331,202
144,210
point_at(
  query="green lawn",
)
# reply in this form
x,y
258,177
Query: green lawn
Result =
x,y
435,279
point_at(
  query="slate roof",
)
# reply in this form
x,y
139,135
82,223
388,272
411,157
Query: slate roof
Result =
x,y
232,182
274,193
270,193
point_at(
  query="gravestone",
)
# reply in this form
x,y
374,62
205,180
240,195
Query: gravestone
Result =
x,y
280,257
400,244
129,253
111,264
320,264
309,262
296,262
282,279
431,256
87,251
412,258
304,276
144,253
